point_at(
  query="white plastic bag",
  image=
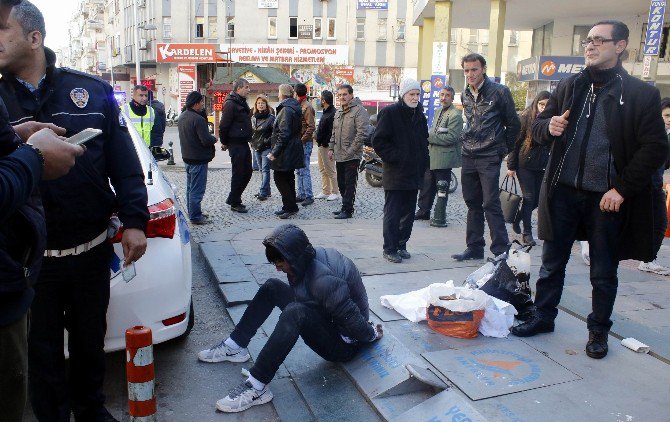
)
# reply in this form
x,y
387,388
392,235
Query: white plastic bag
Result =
x,y
518,261
412,305
498,319
466,300
478,278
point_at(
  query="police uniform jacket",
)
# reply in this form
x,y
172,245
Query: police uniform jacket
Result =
x,y
78,205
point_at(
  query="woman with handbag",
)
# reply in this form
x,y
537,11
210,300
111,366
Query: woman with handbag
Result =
x,y
261,124
528,161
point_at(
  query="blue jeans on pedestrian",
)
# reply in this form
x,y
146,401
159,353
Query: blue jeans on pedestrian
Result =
x,y
196,182
571,209
255,160
262,157
304,176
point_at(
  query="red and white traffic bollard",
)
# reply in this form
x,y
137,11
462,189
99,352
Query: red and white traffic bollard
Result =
x,y
140,374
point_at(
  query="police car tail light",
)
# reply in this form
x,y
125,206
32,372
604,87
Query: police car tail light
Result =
x,y
162,219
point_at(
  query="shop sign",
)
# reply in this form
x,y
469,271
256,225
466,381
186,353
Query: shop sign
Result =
x,y
187,53
268,4
345,73
652,40
293,54
150,84
305,32
374,5
187,82
549,68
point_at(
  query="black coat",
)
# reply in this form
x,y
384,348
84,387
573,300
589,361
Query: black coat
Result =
x,y
639,148
325,129
401,140
325,280
235,123
286,145
160,121
262,131
536,157
197,144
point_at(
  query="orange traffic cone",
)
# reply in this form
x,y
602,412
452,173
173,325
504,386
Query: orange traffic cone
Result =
x,y
140,374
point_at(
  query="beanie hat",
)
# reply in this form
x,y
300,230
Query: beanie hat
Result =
x,y
192,99
407,85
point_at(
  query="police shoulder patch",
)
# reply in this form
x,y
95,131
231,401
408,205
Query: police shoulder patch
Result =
x,y
79,97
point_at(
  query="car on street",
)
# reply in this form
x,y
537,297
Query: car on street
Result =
x,y
159,295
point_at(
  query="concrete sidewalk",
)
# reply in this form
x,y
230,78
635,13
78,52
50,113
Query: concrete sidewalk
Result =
x,y
483,378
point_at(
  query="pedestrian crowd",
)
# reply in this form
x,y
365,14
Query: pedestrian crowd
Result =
x,y
589,157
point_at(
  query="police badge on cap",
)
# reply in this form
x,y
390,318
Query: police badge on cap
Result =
x,y
79,97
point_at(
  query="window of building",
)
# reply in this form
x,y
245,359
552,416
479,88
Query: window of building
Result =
x,y
381,29
360,28
199,27
272,28
293,27
211,27
484,36
473,37
579,32
167,27
513,38
230,26
317,29
331,28
542,40
400,30
453,37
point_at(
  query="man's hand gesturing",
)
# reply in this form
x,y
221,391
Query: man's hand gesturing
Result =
x,y
558,124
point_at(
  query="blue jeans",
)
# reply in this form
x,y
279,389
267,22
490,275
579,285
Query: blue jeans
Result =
x,y
261,157
304,176
571,209
255,160
196,182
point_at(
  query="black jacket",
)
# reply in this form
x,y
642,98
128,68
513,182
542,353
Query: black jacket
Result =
x,y
160,121
536,157
78,205
491,122
262,131
325,129
639,147
235,123
286,145
197,145
401,140
22,226
325,280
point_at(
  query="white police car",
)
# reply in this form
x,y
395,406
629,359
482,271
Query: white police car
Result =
x,y
159,296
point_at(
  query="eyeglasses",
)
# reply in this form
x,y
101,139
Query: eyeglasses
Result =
x,y
597,41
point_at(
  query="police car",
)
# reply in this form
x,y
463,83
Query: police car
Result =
x,y
159,295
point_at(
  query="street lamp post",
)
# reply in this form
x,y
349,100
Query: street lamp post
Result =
x,y
146,27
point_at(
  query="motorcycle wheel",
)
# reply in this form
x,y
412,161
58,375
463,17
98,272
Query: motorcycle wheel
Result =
x,y
453,185
374,181
170,123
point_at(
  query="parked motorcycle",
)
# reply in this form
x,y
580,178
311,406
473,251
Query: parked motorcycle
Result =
x,y
374,170
171,117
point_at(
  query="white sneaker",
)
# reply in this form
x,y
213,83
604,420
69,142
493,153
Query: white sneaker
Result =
x,y
653,267
333,197
321,196
585,252
243,397
223,353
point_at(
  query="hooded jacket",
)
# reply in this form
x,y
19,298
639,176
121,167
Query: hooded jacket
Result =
x,y
350,130
639,148
325,280
286,146
235,123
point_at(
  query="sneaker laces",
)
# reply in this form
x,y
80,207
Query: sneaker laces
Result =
x,y
240,389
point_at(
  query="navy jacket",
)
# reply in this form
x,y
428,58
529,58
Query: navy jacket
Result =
x,y
325,280
78,205
22,227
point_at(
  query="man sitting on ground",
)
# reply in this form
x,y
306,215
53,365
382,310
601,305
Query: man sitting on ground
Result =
x,y
324,302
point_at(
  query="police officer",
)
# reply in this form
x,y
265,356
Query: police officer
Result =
x,y
72,290
143,117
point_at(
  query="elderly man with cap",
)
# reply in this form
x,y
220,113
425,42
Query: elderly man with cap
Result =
x,y
197,150
401,140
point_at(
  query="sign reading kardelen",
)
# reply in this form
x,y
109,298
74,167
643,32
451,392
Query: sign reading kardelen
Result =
x,y
187,82
287,53
187,53
652,41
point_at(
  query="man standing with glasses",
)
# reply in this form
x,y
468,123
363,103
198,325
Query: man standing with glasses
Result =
x,y
607,140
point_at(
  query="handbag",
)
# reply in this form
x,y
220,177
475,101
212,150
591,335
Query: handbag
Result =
x,y
510,200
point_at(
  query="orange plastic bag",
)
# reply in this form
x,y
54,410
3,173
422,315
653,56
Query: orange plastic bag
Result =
x,y
454,324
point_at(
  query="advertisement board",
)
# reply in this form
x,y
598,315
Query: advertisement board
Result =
x,y
268,4
437,82
187,53
305,32
287,53
549,68
372,5
652,41
187,82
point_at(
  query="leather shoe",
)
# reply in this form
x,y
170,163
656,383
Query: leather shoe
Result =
x,y
422,216
535,325
404,254
239,208
516,226
287,214
468,254
307,201
528,240
343,215
393,257
596,347
337,212
279,212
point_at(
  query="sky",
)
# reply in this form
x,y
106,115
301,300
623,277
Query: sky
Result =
x,y
56,14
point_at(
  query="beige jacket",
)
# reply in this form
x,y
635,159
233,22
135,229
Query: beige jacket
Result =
x,y
350,128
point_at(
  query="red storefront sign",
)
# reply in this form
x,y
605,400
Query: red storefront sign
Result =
x,y
187,53
150,84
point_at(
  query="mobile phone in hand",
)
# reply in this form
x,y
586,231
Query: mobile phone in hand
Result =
x,y
83,136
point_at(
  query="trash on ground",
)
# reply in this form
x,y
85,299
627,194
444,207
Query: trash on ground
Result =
x,y
458,317
635,345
